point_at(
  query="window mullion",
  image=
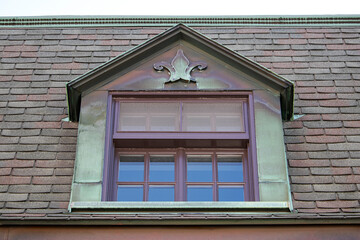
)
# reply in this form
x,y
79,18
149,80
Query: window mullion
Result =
x,y
181,176
215,178
180,116
146,177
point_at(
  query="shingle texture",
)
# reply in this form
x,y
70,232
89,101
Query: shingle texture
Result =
x,y
37,148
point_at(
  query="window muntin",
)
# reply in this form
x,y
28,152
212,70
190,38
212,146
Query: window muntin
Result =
x,y
182,175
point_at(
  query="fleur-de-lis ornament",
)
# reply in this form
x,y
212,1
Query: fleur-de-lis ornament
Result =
x,y
180,68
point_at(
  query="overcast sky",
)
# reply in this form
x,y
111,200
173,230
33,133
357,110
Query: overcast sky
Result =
x,y
180,7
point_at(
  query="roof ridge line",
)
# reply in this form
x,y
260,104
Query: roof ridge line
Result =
x,y
73,21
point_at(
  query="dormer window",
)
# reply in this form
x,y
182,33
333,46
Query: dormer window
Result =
x,y
183,121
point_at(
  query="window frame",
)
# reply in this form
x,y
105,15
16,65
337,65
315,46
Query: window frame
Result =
x,y
180,170
109,177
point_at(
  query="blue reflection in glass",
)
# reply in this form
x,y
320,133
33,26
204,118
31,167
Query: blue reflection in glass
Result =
x,y
131,168
130,193
161,193
231,193
162,169
230,169
199,168
199,193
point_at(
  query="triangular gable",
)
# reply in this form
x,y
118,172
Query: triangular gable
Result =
x,y
101,75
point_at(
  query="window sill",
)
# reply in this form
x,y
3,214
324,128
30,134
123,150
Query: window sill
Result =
x,y
208,207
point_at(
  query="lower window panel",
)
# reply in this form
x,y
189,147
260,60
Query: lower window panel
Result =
x,y
181,175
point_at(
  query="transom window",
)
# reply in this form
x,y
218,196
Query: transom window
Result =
x,y
181,175
181,116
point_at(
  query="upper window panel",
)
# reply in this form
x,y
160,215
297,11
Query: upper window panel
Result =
x,y
181,116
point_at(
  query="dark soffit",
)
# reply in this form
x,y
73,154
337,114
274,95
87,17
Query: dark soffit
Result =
x,y
83,83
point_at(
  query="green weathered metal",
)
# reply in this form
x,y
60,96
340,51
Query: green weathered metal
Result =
x,y
262,20
182,206
180,68
122,63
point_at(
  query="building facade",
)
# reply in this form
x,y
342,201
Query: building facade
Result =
x,y
166,127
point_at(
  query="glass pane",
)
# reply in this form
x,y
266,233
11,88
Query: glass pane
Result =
x,y
164,116
229,124
231,193
149,116
230,168
161,193
162,168
218,117
131,168
164,123
197,123
199,168
132,123
199,193
130,193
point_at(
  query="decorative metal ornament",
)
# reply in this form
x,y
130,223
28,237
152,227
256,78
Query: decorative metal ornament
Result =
x,y
180,68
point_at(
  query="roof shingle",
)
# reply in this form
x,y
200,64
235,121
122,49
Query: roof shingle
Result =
x,y
37,148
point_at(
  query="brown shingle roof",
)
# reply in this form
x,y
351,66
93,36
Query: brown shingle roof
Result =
x,y
37,148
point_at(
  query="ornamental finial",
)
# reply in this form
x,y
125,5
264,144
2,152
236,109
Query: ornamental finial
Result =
x,y
180,68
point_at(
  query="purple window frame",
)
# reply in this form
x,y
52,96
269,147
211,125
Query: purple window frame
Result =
x,y
109,184
180,175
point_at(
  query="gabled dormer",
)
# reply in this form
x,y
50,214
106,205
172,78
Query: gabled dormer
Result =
x,y
180,118
226,70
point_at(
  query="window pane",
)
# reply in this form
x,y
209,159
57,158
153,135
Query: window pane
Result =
x,y
162,168
199,193
164,116
161,193
230,168
197,123
141,116
199,168
132,123
131,168
231,193
228,124
130,193
217,117
163,123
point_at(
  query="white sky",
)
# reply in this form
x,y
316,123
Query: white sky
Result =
x,y
179,7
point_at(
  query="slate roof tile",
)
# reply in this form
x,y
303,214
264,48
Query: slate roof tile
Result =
x,y
311,180
9,180
304,147
334,187
29,188
331,171
337,204
349,196
345,162
314,196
